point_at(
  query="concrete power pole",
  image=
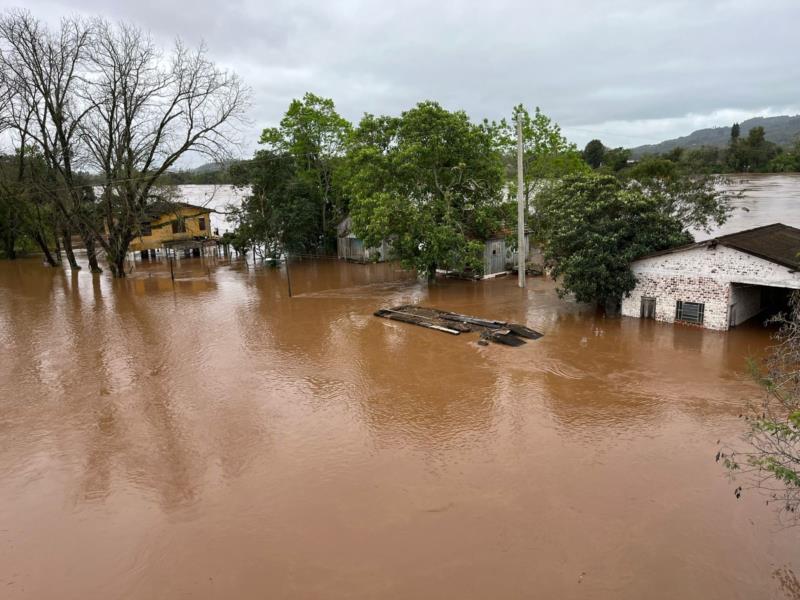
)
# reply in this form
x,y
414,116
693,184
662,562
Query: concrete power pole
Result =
x,y
521,258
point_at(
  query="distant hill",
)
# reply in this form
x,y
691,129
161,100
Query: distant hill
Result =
x,y
783,130
212,167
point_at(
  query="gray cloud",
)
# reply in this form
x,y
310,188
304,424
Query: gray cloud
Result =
x,y
628,71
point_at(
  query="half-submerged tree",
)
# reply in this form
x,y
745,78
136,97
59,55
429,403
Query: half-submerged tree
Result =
x,y
592,227
431,182
315,136
147,112
100,97
771,461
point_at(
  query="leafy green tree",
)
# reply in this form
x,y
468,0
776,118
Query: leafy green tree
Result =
x,y
753,153
546,153
771,463
315,135
616,159
787,161
280,215
594,153
429,181
593,226
735,132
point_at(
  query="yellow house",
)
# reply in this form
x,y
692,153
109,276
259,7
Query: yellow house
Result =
x,y
169,223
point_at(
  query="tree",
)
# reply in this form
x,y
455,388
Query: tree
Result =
x,y
771,463
594,153
735,132
41,71
616,159
546,153
148,111
431,182
593,226
280,215
100,97
314,134
753,153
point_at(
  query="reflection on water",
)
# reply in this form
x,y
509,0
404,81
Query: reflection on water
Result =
x,y
210,437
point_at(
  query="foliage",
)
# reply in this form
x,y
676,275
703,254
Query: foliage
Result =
x,y
771,463
752,153
594,153
280,214
430,181
546,153
315,135
593,226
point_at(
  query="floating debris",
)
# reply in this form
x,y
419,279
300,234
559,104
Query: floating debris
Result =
x,y
499,332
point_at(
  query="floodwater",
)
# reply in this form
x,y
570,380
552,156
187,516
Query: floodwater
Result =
x,y
765,199
214,438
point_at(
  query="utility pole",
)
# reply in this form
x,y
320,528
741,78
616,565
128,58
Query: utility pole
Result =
x,y
521,258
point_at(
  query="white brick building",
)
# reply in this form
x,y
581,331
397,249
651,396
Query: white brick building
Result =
x,y
717,283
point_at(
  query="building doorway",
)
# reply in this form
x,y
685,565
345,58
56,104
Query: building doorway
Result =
x,y
648,308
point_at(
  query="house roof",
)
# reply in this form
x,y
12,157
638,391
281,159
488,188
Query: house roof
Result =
x,y
158,209
777,243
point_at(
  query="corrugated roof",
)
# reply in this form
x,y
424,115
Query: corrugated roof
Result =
x,y
777,243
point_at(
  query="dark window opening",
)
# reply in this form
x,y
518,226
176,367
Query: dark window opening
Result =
x,y
179,226
648,308
202,221
690,312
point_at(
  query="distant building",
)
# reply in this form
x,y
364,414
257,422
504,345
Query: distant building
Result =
x,y
176,225
718,283
349,247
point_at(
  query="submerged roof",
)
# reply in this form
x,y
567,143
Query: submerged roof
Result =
x,y
777,243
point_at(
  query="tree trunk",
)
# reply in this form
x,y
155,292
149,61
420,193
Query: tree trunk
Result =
x,y
91,252
431,273
58,248
67,237
117,264
612,307
9,245
43,245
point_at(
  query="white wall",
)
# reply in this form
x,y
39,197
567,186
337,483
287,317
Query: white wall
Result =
x,y
702,275
745,303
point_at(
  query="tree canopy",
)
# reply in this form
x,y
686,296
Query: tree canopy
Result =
x,y
431,182
593,226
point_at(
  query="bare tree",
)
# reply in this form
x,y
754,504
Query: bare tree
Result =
x,y
41,71
102,97
147,114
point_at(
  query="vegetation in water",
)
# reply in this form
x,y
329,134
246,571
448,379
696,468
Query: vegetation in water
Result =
x,y
591,226
770,462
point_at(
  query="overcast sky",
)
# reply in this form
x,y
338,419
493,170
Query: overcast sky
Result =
x,y
627,71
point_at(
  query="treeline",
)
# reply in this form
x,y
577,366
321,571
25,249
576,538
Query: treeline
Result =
x,y
436,184
750,154
432,180
92,97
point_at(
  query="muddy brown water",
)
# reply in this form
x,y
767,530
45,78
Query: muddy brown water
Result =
x,y
216,439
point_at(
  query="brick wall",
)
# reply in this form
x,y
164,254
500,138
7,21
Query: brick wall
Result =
x,y
703,275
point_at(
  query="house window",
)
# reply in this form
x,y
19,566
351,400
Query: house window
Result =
x,y
202,222
145,229
690,312
179,226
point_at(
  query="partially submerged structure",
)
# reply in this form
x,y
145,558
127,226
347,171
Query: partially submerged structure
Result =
x,y
349,247
174,225
718,283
